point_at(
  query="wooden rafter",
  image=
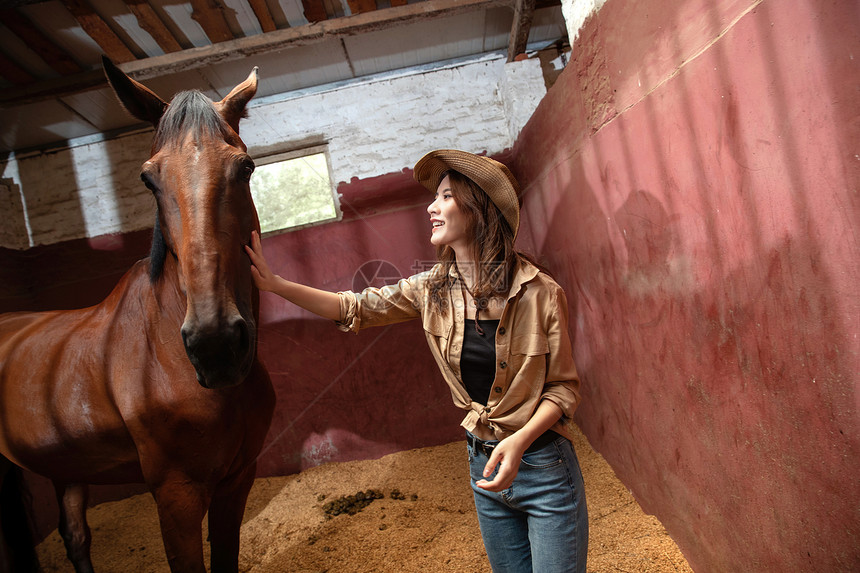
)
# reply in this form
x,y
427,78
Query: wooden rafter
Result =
x,y
361,6
97,29
252,45
264,16
52,88
314,11
523,14
15,3
395,3
209,14
14,73
55,57
301,36
152,24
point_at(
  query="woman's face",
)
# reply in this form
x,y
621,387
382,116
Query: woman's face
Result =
x,y
448,222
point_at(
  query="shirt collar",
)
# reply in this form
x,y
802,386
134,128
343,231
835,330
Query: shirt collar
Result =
x,y
524,273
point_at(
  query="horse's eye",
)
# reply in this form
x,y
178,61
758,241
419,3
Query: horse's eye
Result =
x,y
247,170
148,182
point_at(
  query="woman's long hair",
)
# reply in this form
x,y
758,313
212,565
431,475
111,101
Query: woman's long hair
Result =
x,y
492,246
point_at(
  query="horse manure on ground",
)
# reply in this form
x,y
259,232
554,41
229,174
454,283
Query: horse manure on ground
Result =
x,y
352,504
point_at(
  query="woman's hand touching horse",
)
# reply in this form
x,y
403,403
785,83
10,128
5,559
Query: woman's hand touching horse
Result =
x,y
264,278
320,302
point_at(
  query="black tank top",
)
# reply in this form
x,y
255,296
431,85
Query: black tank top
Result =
x,y
478,360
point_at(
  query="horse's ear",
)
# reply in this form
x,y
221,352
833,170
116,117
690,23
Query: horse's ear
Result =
x,y
136,98
232,107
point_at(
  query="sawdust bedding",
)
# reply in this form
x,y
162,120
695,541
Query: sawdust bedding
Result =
x,y
406,512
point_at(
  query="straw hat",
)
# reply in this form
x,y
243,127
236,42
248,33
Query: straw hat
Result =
x,y
490,175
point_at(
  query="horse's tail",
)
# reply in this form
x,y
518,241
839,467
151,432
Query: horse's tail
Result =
x,y
17,543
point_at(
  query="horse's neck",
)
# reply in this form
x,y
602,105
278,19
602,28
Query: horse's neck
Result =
x,y
161,299
166,291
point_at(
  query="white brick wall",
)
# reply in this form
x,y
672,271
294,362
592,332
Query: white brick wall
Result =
x,y
378,126
576,12
13,227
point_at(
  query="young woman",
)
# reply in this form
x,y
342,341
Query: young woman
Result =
x,y
497,327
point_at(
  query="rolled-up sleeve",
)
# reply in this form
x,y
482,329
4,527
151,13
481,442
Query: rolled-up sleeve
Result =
x,y
349,319
378,306
562,381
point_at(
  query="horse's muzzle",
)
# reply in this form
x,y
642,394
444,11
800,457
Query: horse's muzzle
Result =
x,y
221,355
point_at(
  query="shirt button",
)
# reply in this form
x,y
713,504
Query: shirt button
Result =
x,y
498,389
501,330
503,365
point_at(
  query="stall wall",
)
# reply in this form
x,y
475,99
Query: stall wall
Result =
x,y
693,180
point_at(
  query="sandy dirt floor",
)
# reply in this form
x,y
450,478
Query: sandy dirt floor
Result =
x,y
422,520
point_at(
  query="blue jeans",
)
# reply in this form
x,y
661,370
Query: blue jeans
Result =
x,y
540,523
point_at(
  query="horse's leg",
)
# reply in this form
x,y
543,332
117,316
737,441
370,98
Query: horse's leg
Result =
x,y
17,549
181,507
73,526
5,551
225,519
6,565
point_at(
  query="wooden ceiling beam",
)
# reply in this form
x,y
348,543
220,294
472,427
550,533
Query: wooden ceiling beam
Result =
x,y
314,11
97,29
203,56
361,6
52,54
209,14
524,11
264,16
13,73
153,25
302,36
51,89
15,3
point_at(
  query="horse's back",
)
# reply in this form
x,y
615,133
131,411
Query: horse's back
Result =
x,y
39,346
57,370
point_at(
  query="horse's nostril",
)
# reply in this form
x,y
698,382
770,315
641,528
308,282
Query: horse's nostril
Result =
x,y
240,327
187,335
230,341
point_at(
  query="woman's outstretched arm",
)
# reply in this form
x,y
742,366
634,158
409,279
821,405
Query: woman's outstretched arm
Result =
x,y
320,302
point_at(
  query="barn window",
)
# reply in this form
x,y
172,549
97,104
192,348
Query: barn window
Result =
x,y
293,190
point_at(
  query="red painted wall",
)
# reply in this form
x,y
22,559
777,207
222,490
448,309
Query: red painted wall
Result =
x,y
693,180
343,396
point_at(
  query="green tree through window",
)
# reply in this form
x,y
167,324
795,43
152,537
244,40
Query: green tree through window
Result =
x,y
293,191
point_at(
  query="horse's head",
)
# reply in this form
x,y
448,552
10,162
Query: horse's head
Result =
x,y
199,174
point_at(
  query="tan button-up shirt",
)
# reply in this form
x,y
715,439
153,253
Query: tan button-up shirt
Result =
x,y
534,361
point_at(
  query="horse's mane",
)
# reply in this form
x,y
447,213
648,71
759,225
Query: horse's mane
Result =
x,y
157,252
188,112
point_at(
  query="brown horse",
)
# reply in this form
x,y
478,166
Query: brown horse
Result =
x,y
160,382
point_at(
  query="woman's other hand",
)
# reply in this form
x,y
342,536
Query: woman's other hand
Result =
x,y
506,455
